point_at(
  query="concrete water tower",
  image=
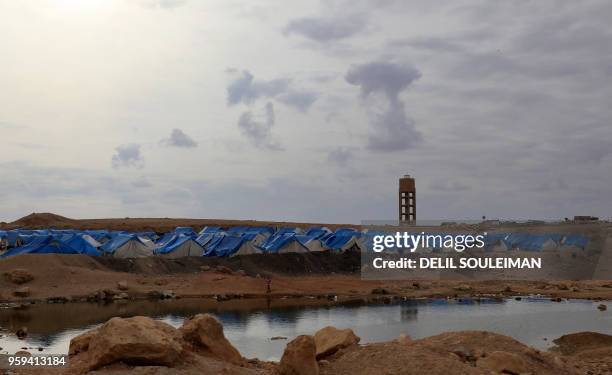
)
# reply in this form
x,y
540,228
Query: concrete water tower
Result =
x,y
407,199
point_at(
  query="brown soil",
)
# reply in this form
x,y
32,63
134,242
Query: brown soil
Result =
x,y
79,276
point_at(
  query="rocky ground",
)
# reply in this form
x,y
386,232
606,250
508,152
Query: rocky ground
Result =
x,y
140,345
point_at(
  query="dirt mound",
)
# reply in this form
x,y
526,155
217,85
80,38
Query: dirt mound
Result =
x,y
42,221
466,352
575,343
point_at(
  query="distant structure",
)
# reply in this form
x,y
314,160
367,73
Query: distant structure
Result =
x,y
407,199
585,219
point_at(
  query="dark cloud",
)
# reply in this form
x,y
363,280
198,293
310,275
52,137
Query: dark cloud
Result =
x,y
128,156
245,89
179,139
257,131
391,129
325,29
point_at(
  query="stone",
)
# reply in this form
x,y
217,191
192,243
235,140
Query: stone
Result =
x,y
206,332
602,307
463,288
241,272
299,357
23,291
223,269
122,285
18,276
205,268
22,333
329,340
80,343
503,362
167,294
121,296
138,341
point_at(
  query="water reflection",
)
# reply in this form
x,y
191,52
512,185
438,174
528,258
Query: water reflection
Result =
x,y
249,324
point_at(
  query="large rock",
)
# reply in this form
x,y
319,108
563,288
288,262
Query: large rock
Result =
x,y
503,363
80,343
299,357
18,276
330,339
134,341
575,343
206,332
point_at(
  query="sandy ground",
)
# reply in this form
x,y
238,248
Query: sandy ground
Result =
x,y
79,277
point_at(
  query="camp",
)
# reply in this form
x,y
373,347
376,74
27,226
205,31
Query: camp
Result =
x,y
126,246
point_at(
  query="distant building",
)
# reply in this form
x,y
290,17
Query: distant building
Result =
x,y
585,219
407,199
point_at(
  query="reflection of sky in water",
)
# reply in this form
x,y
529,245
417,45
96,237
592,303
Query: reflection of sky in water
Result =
x,y
529,321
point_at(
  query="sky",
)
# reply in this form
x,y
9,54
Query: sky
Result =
x,y
305,112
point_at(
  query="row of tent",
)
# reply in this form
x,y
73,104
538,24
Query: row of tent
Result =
x,y
183,241
216,241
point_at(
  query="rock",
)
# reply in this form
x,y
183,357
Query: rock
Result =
x,y
466,354
122,285
278,338
205,268
121,296
222,297
18,276
22,353
330,339
223,269
161,282
138,341
503,362
602,307
575,343
205,331
22,333
463,288
23,291
562,287
241,272
80,343
167,294
508,289
299,357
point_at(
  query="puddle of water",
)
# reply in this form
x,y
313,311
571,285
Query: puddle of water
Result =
x,y
249,324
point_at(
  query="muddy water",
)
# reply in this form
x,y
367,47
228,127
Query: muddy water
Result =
x,y
251,324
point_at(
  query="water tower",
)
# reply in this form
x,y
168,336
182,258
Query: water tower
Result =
x,y
407,199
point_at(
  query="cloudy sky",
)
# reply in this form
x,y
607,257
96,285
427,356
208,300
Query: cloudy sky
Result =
x,y
307,112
